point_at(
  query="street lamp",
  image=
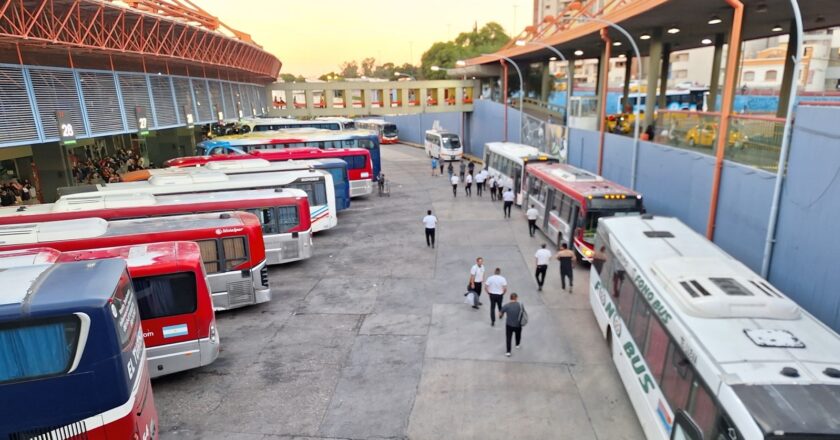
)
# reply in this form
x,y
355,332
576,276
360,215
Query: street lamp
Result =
x,y
521,89
523,43
435,68
405,75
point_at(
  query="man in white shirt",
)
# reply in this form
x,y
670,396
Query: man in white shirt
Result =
x,y
476,278
496,289
454,180
532,215
507,197
479,181
542,257
468,180
430,222
493,184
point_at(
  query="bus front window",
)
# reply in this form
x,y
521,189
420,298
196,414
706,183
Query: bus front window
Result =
x,y
450,141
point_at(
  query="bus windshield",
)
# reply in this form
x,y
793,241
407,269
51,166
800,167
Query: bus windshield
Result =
x,y
450,141
389,130
33,350
166,295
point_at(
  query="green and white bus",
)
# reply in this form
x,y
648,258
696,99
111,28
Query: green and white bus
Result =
x,y
705,347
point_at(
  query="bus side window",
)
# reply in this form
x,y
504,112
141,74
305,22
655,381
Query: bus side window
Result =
x,y
209,255
704,411
656,349
639,321
601,260
677,378
566,210
623,290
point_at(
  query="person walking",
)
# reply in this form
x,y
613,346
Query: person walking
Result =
x,y
468,181
476,278
566,257
479,181
532,215
513,324
440,161
462,168
541,258
493,188
507,197
470,167
450,169
496,289
430,222
435,166
454,181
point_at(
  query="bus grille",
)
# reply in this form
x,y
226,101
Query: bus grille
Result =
x,y
240,292
289,249
357,188
75,431
264,276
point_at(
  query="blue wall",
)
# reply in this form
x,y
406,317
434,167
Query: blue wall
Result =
x,y
487,125
678,183
805,264
413,127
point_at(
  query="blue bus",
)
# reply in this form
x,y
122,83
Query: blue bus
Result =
x,y
295,138
72,357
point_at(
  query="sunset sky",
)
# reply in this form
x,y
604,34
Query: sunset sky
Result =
x,y
314,37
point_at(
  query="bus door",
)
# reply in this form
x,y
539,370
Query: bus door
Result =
x,y
545,195
517,184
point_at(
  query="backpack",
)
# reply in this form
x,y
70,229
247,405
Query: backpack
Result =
x,y
523,316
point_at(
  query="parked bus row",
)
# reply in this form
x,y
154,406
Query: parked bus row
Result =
x,y
120,283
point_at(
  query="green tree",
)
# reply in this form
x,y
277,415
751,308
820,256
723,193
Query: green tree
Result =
x,y
368,64
288,77
349,69
490,38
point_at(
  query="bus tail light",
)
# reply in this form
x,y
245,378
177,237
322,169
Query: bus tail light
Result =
x,y
365,175
213,332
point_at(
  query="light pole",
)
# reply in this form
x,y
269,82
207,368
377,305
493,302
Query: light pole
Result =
x,y
521,88
785,148
553,49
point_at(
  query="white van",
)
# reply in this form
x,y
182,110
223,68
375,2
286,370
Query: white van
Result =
x,y
443,145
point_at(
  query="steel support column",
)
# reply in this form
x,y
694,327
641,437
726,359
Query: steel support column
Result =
x,y
662,98
714,83
602,94
788,80
654,59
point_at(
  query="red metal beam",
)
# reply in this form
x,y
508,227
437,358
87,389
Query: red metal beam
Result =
x,y
91,25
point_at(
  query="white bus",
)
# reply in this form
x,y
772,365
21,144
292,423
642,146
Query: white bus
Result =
x,y
274,124
345,123
317,184
387,131
507,159
443,145
706,348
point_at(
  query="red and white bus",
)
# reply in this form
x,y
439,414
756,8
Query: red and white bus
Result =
x,y
231,246
287,230
359,165
571,200
318,186
176,308
387,131
73,362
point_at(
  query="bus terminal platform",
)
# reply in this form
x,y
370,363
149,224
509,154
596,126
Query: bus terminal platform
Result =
x,y
371,339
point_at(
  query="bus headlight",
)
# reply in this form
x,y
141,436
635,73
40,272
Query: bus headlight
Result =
x,y
587,252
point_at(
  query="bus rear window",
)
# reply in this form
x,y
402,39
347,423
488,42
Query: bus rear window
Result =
x,y
338,175
124,309
223,255
235,252
355,162
166,295
32,350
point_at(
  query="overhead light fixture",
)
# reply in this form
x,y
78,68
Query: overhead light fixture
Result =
x,y
645,37
520,43
622,56
706,41
715,20
460,63
616,43
552,59
578,52
673,30
777,28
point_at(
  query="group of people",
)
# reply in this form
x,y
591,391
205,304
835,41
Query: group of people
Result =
x,y
14,192
108,168
500,187
496,286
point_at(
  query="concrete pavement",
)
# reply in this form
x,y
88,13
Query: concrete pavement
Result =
x,y
370,338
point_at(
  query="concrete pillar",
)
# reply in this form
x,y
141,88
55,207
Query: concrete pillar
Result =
x,y
570,85
328,95
602,83
547,83
788,80
654,58
663,77
628,73
307,95
714,87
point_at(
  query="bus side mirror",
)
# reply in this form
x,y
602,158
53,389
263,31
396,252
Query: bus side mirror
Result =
x,y
684,428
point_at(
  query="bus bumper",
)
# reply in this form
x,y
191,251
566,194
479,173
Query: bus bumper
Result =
x,y
234,289
181,356
360,188
285,248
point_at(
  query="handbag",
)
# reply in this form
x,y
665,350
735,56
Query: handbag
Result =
x,y
469,298
523,316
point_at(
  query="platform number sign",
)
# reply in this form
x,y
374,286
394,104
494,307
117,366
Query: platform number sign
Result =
x,y
142,121
188,114
66,130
